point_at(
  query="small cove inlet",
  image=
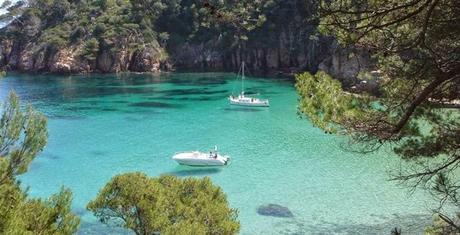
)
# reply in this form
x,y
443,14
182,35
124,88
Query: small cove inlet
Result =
x,y
286,177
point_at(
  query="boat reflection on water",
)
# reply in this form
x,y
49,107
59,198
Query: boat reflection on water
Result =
x,y
195,171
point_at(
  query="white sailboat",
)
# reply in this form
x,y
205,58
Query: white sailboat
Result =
x,y
244,100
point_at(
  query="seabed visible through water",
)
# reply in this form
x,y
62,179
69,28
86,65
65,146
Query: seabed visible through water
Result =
x,y
103,125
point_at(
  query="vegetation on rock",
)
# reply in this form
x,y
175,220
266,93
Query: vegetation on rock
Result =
x,y
75,36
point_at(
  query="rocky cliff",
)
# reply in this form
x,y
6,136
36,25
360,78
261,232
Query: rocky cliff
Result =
x,y
29,57
85,37
29,54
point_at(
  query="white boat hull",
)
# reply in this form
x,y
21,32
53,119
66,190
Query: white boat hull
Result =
x,y
248,101
200,159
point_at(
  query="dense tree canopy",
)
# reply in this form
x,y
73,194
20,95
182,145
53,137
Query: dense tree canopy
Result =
x,y
167,204
92,27
416,47
22,136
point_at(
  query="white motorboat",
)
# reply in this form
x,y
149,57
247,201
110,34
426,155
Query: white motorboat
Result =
x,y
196,158
244,100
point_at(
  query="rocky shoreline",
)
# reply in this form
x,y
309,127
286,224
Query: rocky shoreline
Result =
x,y
29,57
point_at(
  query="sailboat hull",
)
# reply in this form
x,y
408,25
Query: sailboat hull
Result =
x,y
247,101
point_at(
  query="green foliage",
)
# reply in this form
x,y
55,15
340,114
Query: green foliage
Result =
x,y
20,215
56,38
326,104
76,34
163,37
57,24
99,30
22,136
167,204
12,10
415,44
90,49
130,26
322,99
440,226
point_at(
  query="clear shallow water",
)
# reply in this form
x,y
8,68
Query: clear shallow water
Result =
x,y
104,125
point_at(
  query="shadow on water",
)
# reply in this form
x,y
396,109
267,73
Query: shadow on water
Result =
x,y
202,81
409,224
246,109
135,119
180,92
65,94
99,153
108,109
194,171
140,114
49,155
79,108
152,104
198,98
120,102
64,117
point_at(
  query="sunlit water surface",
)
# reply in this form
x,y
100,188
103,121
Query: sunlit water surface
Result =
x,y
103,125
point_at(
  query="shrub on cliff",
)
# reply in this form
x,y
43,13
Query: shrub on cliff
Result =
x,y
90,49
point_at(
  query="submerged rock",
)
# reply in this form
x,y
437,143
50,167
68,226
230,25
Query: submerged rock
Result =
x,y
274,210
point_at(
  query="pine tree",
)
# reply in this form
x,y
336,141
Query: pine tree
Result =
x,y
23,135
415,44
166,205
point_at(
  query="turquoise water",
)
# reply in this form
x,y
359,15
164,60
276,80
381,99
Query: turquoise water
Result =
x,y
104,125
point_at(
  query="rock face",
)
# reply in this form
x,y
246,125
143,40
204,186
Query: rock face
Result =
x,y
202,56
285,52
144,60
274,210
27,50
30,57
345,64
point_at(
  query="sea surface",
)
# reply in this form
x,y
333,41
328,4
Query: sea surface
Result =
x,y
103,125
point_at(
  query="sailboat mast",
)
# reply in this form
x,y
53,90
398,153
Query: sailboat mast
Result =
x,y
242,79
